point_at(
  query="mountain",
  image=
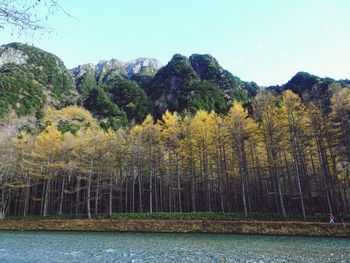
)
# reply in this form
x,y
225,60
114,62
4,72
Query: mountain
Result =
x,y
197,82
113,90
311,87
208,68
178,87
31,79
119,92
105,70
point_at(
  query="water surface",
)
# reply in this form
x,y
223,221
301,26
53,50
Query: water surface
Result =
x,y
37,247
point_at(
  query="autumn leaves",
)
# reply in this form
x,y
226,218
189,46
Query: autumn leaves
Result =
x,y
286,156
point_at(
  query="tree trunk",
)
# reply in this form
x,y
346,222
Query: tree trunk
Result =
x,y
62,196
88,199
97,194
110,203
46,197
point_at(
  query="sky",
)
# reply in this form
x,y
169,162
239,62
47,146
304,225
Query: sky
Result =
x,y
266,41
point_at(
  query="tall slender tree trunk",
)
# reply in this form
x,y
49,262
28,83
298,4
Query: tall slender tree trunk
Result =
x,y
88,199
62,196
281,196
97,194
151,181
300,191
46,198
77,197
178,182
26,201
110,201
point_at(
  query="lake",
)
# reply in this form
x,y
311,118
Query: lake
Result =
x,y
30,247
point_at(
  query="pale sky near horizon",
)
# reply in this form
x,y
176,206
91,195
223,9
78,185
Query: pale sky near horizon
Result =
x,y
266,41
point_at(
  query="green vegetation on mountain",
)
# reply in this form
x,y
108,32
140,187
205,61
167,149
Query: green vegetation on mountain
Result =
x,y
118,93
203,95
208,68
312,88
177,87
132,99
102,107
31,78
85,84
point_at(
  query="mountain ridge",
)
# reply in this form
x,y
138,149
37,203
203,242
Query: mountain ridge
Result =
x,y
32,79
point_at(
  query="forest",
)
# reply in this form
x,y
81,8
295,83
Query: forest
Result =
x,y
280,154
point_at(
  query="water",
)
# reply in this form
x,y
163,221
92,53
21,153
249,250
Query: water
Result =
x,y
37,247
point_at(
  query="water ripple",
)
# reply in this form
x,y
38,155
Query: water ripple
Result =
x,y
40,247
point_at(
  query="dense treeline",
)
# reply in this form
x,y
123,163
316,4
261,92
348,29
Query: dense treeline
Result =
x,y
286,156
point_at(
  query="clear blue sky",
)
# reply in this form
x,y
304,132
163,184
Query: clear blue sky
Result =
x,y
266,41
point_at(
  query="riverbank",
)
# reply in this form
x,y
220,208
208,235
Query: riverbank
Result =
x,y
182,226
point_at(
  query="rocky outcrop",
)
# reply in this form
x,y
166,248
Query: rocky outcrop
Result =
x,y
107,69
12,55
148,66
81,70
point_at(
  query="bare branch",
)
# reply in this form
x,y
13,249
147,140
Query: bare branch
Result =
x,y
28,15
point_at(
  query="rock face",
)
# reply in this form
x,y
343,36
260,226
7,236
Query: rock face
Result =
x,y
82,70
105,70
12,55
142,66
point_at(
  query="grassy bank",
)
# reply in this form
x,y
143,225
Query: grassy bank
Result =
x,y
214,216
176,225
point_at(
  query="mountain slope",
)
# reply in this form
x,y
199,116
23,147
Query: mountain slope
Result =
x,y
311,87
106,70
208,68
197,82
30,79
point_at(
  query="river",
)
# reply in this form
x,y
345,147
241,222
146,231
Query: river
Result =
x,y
37,247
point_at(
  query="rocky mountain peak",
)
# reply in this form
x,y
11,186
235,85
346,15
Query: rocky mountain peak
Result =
x,y
145,66
112,65
82,70
150,65
202,63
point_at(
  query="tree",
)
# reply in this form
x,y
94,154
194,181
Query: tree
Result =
x,y
150,141
297,126
90,148
104,108
170,127
265,108
241,129
203,126
48,149
8,178
286,156
130,97
26,16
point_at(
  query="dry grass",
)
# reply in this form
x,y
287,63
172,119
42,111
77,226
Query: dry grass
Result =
x,y
181,226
